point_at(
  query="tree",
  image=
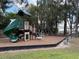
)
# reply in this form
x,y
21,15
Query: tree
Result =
x,y
76,2
48,12
66,10
33,11
1,13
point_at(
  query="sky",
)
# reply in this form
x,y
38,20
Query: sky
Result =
x,y
32,1
14,9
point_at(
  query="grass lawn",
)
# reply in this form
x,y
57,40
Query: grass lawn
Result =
x,y
47,54
67,53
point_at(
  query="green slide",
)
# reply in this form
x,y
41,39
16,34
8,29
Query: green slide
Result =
x,y
11,30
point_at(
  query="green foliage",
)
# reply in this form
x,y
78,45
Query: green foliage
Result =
x,y
49,12
5,20
11,16
53,12
2,0
33,10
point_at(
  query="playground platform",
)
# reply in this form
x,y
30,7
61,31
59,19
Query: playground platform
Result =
x,y
48,41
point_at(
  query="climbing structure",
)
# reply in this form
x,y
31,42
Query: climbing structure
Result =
x,y
18,26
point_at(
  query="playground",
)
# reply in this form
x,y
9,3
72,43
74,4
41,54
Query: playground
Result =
x,y
47,30
23,32
49,41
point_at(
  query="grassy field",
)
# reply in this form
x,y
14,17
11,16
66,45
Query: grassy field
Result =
x,y
67,53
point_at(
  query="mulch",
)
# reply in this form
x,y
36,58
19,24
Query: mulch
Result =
x,y
4,42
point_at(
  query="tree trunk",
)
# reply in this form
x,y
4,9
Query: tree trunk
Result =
x,y
76,30
65,25
0,4
56,26
71,25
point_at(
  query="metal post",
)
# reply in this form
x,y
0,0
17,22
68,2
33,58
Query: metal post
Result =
x,y
26,34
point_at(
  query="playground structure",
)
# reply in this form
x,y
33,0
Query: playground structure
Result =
x,y
18,28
